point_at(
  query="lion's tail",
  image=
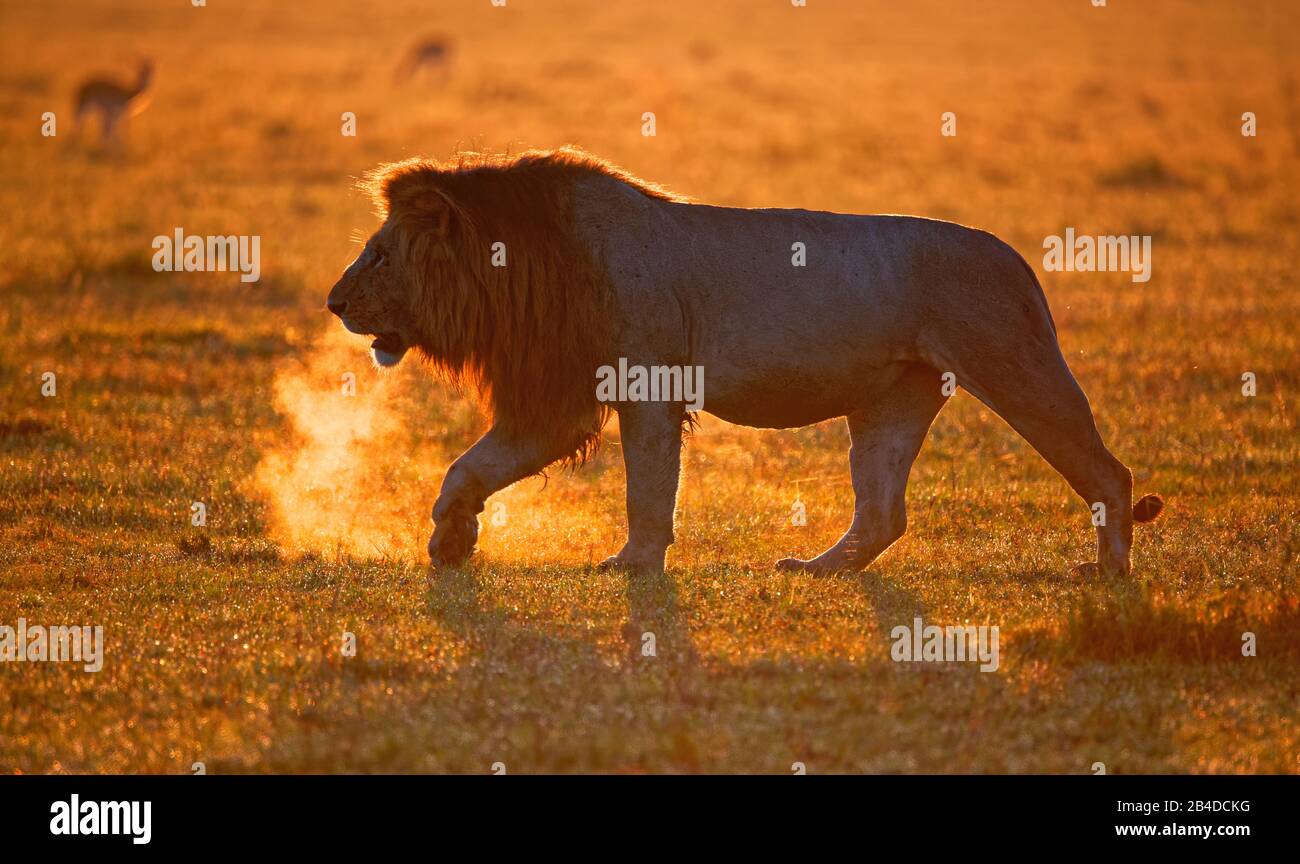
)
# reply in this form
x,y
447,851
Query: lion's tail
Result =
x,y
1147,508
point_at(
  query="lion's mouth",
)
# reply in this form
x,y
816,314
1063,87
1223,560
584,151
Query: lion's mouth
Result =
x,y
388,348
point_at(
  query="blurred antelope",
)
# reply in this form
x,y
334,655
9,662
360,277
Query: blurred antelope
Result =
x,y
113,101
430,53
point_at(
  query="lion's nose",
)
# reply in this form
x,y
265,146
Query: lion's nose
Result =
x,y
337,308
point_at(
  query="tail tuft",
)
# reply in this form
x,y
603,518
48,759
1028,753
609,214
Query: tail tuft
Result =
x,y
1147,508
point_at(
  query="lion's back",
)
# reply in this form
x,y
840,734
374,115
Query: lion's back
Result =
x,y
756,282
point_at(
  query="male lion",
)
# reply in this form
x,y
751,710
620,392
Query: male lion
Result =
x,y
526,274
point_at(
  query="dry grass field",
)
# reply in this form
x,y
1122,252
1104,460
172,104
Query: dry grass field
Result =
x,y
224,640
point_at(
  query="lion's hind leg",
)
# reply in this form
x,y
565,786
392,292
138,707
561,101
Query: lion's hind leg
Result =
x,y
886,437
1035,392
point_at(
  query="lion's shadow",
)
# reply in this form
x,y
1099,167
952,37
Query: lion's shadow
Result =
x,y
538,684
655,629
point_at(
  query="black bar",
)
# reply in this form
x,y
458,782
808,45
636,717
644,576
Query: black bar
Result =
x,y
331,813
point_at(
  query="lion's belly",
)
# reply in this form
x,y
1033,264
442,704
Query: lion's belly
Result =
x,y
781,397
779,413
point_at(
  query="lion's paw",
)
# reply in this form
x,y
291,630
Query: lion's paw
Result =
x,y
824,565
1085,570
648,563
1094,570
453,541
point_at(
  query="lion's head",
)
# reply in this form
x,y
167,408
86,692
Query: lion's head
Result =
x,y
373,297
477,266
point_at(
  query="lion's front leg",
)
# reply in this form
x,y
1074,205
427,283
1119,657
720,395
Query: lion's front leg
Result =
x,y
493,463
652,450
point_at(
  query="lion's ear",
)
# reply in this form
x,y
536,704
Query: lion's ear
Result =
x,y
445,210
423,203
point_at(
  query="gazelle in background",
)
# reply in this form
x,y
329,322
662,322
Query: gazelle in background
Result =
x,y
114,102
431,53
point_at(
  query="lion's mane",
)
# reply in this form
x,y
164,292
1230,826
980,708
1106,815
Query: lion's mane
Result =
x,y
528,336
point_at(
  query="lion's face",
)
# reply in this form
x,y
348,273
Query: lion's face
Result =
x,y
372,298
